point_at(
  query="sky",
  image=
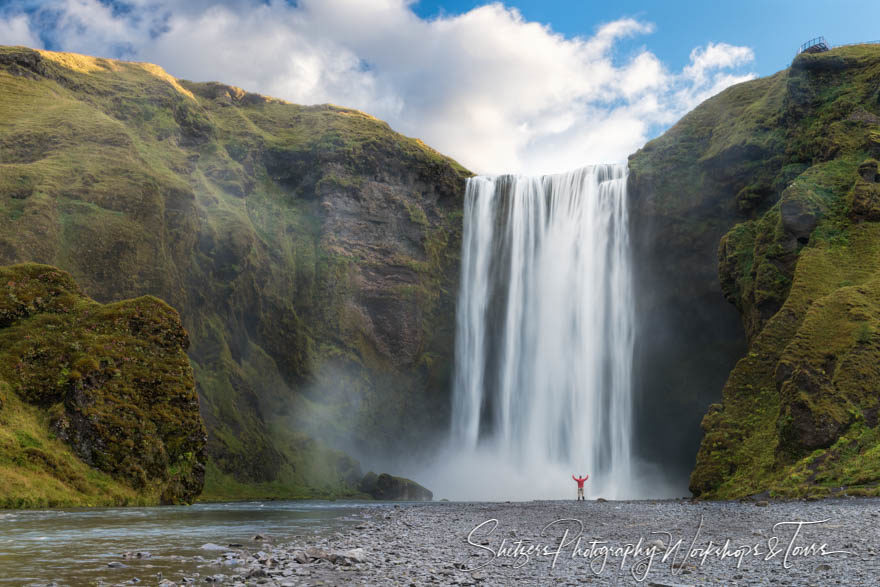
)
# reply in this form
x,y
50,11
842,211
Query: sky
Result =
x,y
515,86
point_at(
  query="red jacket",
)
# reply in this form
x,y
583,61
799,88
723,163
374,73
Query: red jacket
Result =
x,y
580,481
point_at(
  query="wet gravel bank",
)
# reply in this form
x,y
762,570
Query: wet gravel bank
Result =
x,y
590,542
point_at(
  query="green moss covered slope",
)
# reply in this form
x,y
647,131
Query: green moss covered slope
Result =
x,y
784,171
311,251
97,402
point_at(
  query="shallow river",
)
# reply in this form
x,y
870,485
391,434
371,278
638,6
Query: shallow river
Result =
x,y
75,546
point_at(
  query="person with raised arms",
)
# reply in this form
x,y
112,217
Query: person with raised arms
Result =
x,y
580,482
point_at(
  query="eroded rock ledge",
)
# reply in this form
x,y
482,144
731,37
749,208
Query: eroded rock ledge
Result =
x,y
111,381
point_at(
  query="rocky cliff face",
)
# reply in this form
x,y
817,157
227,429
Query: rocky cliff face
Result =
x,y
311,251
776,176
110,384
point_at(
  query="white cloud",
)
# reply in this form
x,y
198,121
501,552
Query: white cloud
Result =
x,y
716,56
16,30
489,88
706,74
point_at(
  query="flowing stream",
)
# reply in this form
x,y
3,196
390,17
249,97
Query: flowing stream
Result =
x,y
86,546
544,343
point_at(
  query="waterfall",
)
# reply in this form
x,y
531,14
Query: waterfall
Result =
x,y
544,339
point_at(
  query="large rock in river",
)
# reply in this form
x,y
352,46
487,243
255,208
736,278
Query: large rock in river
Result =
x,y
388,487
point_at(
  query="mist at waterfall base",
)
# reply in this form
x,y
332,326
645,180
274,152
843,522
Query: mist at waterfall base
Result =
x,y
544,345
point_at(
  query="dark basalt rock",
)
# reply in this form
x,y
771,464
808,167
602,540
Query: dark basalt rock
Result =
x,y
804,423
800,212
866,201
387,487
868,171
24,62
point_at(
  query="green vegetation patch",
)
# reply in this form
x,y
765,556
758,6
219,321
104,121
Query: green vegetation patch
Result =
x,y
285,235
90,388
799,415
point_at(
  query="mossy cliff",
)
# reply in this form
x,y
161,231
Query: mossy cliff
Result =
x,y
97,402
774,182
311,252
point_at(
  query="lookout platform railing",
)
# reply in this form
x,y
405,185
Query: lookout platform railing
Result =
x,y
819,44
816,45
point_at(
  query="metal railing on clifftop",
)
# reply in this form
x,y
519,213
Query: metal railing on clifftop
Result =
x,y
819,44
816,45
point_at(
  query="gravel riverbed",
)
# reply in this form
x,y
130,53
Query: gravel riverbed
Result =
x,y
569,543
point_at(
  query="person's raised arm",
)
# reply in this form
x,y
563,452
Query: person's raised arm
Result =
x,y
573,477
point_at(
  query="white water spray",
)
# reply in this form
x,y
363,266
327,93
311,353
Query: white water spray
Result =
x,y
544,343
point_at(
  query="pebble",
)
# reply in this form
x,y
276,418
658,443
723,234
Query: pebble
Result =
x,y
427,544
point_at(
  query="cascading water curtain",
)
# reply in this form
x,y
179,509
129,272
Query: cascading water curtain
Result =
x,y
544,343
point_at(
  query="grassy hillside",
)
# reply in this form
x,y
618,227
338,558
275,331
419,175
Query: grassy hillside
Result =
x,y
788,166
311,252
97,402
